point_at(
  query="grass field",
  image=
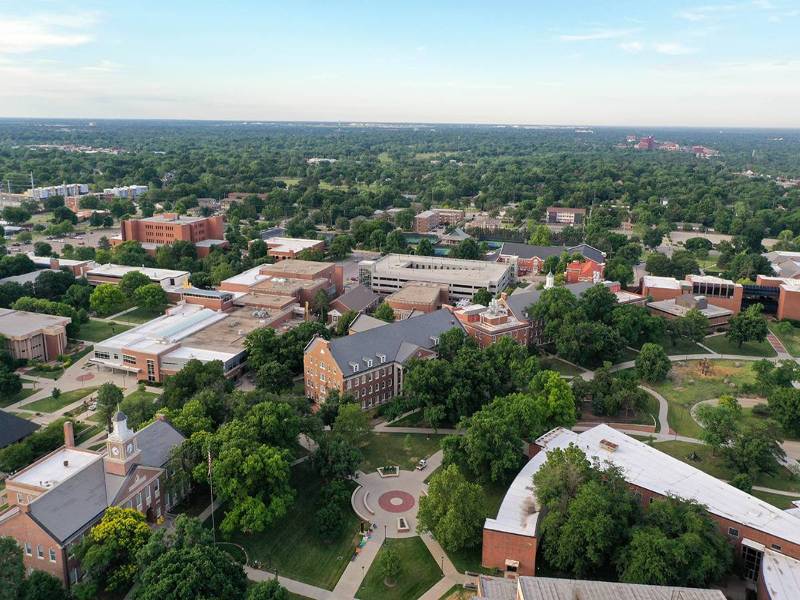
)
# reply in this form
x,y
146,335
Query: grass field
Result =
x,y
97,331
141,394
782,502
418,572
289,181
788,335
682,347
687,386
138,316
292,545
51,404
721,344
20,395
403,449
716,466
457,592
559,366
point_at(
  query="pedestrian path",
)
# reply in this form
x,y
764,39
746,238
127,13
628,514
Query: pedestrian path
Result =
x,y
777,345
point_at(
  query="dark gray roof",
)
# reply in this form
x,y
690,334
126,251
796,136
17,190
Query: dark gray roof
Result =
x,y
393,340
13,428
156,441
495,588
550,588
359,298
364,322
75,502
528,251
519,302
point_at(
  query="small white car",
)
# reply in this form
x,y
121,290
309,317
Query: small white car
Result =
x,y
422,464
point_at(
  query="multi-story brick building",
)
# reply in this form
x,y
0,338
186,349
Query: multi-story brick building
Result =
x,y
110,273
33,336
282,248
584,270
417,297
428,220
528,259
487,325
565,216
369,366
53,502
152,232
753,527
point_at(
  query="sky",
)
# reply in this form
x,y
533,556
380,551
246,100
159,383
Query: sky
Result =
x,y
592,62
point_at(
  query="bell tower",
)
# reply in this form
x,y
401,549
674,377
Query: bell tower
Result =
x,y
122,448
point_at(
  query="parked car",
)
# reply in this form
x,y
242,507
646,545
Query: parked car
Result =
x,y
422,464
93,405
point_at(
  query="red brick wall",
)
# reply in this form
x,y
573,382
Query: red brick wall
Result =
x,y
499,546
661,293
319,353
24,529
788,304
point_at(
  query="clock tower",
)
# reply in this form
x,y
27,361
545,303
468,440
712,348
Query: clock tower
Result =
x,y
122,447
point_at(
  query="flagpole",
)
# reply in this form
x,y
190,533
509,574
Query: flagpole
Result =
x,y
211,490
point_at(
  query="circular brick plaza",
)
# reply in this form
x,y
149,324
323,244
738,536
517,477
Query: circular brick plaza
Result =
x,y
396,501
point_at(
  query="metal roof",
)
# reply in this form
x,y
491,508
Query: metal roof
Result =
x,y
13,428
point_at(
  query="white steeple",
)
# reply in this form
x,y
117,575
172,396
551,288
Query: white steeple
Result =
x,y
120,431
550,281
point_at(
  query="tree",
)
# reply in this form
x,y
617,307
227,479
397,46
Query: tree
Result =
x,y
678,544
693,327
352,424
274,376
78,296
267,590
335,458
784,407
425,248
389,563
588,343
321,305
131,282
107,553
598,303
106,299
755,448
451,341
482,296
258,249
652,363
341,247
748,326
12,570
10,382
41,585
194,377
151,297
618,269
468,249
540,236
138,408
192,571
720,424
343,324
453,510
109,397
15,215
42,249
653,237
636,325
658,265
384,312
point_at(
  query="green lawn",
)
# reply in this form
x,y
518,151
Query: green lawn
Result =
x,y
289,181
457,592
721,344
20,395
779,500
48,374
88,432
139,315
139,394
716,466
403,449
682,347
51,404
97,331
419,571
687,386
292,545
559,366
788,335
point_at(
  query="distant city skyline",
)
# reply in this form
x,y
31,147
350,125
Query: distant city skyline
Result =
x,y
716,64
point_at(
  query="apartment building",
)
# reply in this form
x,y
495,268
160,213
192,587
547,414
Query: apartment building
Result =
x,y
566,216
462,278
33,336
152,232
66,189
369,365
755,528
429,220
131,192
54,501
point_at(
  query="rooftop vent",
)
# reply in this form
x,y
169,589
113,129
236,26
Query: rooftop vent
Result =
x,y
608,446
66,463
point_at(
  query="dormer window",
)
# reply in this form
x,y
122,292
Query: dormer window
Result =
x,y
354,366
382,358
368,361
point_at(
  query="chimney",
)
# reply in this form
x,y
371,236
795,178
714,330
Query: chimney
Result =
x,y
69,434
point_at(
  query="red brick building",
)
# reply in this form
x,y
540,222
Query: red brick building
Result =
x,y
752,526
369,365
487,325
53,502
417,297
428,220
33,336
151,232
566,216
584,271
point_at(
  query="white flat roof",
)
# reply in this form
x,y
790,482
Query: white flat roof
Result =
x,y
201,354
285,244
437,269
649,468
249,277
710,279
781,575
14,323
160,333
64,262
111,270
50,471
669,283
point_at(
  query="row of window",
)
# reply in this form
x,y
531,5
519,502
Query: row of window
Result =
x,y
40,551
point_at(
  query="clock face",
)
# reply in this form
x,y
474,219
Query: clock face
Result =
x,y
129,448
115,451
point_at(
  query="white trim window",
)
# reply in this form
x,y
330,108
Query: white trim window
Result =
x,y
39,552
28,549
52,555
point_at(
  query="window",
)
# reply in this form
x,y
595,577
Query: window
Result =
x,y
128,359
28,549
39,552
157,488
20,498
139,501
103,355
369,362
733,532
776,547
363,379
752,562
52,555
73,575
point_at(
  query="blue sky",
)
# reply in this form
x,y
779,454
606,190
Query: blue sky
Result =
x,y
592,62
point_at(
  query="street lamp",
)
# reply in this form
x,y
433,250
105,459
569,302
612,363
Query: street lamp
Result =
x,y
442,564
384,531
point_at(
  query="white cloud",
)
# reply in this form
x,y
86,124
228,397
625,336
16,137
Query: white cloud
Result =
x,y
44,31
673,48
597,34
632,47
104,66
763,4
703,13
